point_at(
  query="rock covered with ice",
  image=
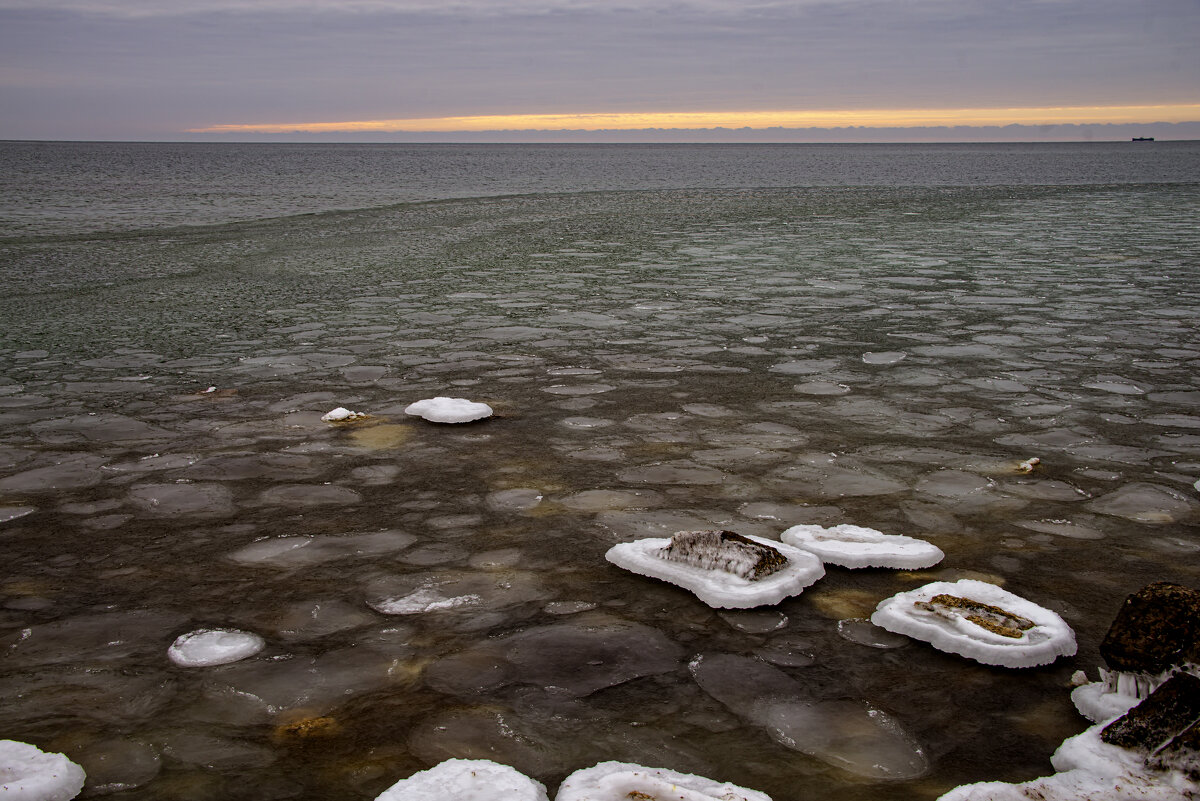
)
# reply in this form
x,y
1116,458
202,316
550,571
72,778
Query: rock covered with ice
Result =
x,y
449,410
466,780
722,568
621,781
979,621
1090,768
343,415
208,647
855,546
28,773
1157,628
1163,728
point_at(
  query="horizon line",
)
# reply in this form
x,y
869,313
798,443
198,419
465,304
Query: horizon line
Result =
x,y
753,120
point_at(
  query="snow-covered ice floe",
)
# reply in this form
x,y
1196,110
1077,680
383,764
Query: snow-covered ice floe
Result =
x,y
979,621
621,781
722,568
466,780
449,410
856,546
342,415
1091,769
28,773
208,647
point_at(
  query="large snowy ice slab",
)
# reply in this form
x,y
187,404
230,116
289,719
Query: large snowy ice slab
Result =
x,y
466,780
620,781
207,647
849,734
578,657
449,410
856,546
716,587
29,774
1032,635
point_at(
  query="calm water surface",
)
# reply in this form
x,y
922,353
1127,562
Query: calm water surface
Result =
x,y
673,337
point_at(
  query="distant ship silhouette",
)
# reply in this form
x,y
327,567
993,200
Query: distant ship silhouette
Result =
x,y
1143,139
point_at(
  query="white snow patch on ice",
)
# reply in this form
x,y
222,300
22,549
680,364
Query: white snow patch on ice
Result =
x,y
620,781
856,546
207,647
449,410
466,780
28,773
342,415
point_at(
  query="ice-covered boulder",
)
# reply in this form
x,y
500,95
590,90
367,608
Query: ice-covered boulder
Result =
x,y
722,568
622,781
1164,728
28,773
207,647
343,415
1089,768
466,780
855,546
449,410
979,621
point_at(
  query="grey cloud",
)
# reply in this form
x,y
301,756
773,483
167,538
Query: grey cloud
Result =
x,y
71,72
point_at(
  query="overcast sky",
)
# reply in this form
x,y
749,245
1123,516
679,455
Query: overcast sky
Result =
x,y
156,69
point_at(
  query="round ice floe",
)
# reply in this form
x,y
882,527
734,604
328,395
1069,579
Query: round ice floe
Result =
x,y
29,774
207,647
883,357
718,587
449,410
619,781
466,780
855,546
342,415
979,621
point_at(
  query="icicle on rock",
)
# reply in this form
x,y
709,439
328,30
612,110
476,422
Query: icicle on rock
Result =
x,y
449,410
1155,635
623,781
979,621
722,568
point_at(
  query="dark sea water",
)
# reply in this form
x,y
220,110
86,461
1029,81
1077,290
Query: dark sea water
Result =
x,y
673,337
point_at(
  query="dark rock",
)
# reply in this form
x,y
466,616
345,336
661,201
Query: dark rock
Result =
x,y
1158,628
1181,753
724,550
1160,718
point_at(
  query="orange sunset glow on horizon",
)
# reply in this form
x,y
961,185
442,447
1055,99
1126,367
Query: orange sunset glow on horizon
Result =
x,y
867,118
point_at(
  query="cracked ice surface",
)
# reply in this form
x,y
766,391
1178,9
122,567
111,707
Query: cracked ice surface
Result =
x,y
752,359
